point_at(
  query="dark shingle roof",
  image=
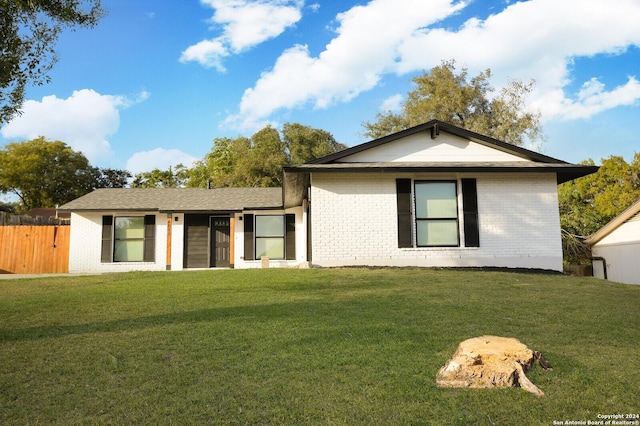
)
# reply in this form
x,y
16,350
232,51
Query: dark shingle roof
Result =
x,y
177,199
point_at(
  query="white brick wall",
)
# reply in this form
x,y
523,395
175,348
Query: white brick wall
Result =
x,y
86,242
177,242
301,240
354,222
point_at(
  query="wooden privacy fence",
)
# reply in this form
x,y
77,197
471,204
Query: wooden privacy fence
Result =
x,y
28,249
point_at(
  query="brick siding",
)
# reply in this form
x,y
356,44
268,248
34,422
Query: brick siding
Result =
x,y
354,222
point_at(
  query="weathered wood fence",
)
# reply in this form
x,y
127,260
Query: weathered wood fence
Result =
x,y
26,249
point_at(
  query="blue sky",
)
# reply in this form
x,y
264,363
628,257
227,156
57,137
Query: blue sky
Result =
x,y
157,80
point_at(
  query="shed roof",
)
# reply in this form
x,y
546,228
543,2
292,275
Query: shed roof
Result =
x,y
177,199
607,229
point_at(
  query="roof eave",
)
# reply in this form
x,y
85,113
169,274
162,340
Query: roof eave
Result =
x,y
565,172
170,210
109,209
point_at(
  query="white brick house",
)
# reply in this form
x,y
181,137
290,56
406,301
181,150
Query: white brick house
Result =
x,y
432,195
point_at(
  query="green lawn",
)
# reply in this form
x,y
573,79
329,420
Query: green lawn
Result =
x,y
319,346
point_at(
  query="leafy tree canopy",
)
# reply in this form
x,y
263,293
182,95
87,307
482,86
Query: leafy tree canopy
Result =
x,y
451,97
112,178
588,203
157,178
28,32
43,173
304,143
257,161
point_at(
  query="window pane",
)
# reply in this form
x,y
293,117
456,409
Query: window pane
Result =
x,y
128,251
129,239
272,247
269,226
437,232
436,200
129,227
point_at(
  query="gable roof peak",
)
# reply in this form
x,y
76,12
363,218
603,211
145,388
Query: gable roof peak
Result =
x,y
435,127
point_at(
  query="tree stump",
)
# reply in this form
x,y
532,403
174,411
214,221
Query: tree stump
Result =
x,y
489,362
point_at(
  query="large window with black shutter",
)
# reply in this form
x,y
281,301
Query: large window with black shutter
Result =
x,y
429,214
128,238
269,235
436,214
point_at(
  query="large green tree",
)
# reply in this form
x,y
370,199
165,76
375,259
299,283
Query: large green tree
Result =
x,y
221,166
450,96
158,178
29,30
257,161
588,203
262,167
112,178
45,173
304,143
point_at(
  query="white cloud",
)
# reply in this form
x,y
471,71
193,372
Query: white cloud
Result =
x,y
534,39
593,99
83,121
365,48
159,158
207,52
392,103
245,24
314,7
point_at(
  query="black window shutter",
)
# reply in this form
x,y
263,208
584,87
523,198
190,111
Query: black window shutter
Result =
x,y
470,211
290,237
403,197
107,236
249,252
149,238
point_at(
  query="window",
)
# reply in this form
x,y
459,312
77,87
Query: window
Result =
x,y
128,245
128,238
270,237
436,214
429,214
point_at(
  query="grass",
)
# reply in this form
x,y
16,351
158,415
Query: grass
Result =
x,y
336,346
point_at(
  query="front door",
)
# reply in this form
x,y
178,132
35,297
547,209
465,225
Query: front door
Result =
x,y
196,241
220,242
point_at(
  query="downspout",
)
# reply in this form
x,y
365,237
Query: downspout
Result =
x,y
309,234
604,264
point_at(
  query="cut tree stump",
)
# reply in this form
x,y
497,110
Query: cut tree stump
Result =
x,y
489,362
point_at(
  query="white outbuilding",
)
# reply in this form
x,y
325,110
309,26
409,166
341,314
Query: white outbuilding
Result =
x,y
615,248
